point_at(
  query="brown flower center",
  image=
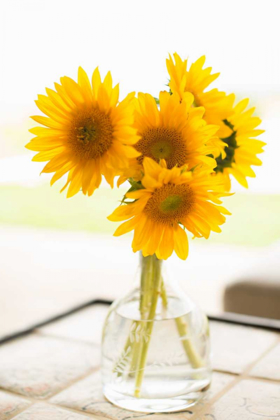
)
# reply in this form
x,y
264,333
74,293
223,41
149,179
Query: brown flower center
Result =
x,y
91,134
170,203
163,143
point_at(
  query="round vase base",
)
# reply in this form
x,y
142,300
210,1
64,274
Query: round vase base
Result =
x,y
153,405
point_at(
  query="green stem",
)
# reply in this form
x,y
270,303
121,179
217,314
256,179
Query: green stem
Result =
x,y
182,327
163,295
154,286
194,358
144,287
146,269
145,302
151,287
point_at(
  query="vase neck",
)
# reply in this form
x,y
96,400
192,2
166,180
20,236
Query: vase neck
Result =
x,y
151,262
150,284
155,281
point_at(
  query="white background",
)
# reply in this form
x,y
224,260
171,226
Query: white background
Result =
x,y
42,40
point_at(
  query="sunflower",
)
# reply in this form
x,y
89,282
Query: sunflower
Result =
x,y
242,146
87,132
218,105
170,201
174,132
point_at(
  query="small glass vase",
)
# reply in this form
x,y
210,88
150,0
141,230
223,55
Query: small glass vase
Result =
x,y
155,346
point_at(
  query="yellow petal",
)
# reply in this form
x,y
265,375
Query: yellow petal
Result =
x,y
96,82
84,83
181,243
126,227
76,182
72,89
167,243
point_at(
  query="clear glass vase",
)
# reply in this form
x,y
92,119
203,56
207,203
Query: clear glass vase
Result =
x,y
155,348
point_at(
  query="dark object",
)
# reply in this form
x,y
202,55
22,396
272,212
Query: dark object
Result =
x,y
255,298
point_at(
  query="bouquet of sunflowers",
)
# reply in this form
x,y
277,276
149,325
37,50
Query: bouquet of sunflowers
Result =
x,y
177,152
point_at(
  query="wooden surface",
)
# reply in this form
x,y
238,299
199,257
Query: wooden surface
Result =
x,y
54,374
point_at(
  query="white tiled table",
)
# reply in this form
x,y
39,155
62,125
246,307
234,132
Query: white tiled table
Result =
x,y
53,373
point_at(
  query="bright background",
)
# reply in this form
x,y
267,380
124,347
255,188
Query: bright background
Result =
x,y
42,40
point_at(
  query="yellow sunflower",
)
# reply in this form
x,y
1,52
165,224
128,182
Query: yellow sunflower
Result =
x,y
175,132
170,201
218,105
242,146
87,132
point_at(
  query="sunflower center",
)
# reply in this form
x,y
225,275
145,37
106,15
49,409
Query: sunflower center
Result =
x,y
163,143
170,203
161,150
229,150
91,134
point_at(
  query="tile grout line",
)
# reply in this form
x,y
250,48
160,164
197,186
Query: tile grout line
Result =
x,y
66,409
226,372
32,401
73,410
240,377
38,400
264,354
28,400
74,382
260,379
234,374
21,411
16,394
59,337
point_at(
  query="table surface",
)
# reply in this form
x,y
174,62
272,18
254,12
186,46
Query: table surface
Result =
x,y
53,373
